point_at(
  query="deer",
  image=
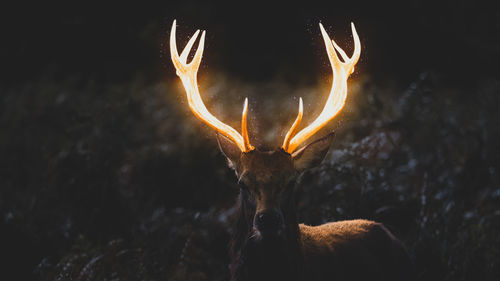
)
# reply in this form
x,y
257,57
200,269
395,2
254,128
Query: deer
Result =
x,y
268,243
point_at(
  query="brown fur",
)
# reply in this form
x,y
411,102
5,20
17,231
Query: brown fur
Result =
x,y
345,250
353,250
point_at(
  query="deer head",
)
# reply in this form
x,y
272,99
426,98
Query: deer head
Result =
x,y
265,174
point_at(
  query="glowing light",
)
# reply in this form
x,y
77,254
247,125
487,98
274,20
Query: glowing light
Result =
x,y
338,93
336,99
244,131
188,72
294,127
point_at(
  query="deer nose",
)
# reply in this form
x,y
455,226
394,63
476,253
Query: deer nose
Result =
x,y
269,223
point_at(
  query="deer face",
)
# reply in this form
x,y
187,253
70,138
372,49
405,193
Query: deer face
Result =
x,y
266,176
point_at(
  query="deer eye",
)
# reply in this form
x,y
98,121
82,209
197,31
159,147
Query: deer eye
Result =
x,y
242,184
247,195
289,185
248,179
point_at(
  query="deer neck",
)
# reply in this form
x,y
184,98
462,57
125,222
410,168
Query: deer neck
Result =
x,y
267,259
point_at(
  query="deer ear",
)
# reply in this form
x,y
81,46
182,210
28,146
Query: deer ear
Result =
x,y
312,154
229,149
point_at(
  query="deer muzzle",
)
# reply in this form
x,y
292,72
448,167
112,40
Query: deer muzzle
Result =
x,y
269,223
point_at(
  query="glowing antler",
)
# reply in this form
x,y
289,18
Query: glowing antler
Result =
x,y
338,93
188,72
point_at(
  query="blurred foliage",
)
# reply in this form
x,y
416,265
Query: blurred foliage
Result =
x,y
119,181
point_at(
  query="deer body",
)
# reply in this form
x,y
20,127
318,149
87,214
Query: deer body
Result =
x,y
345,250
268,243
278,248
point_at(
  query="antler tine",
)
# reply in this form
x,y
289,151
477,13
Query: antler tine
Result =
x,y
244,130
294,127
189,45
338,93
357,48
188,74
341,52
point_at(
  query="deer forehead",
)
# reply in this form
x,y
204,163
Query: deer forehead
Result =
x,y
266,167
266,161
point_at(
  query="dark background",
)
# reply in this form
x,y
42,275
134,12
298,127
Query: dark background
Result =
x,y
104,172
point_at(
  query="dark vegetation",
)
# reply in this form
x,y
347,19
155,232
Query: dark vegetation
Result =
x,y
106,175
